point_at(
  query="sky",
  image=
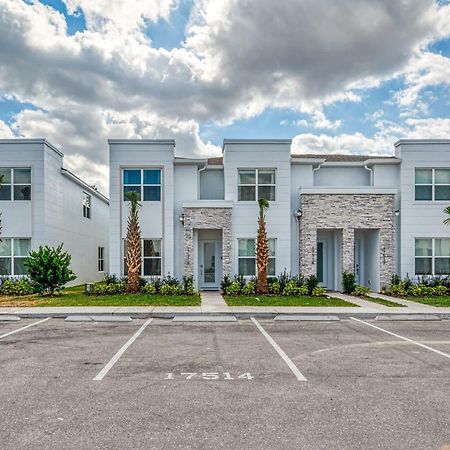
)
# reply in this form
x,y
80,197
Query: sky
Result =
x,y
351,76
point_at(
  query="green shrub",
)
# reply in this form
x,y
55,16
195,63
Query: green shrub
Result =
x,y
319,292
103,288
226,281
149,288
234,288
292,289
188,285
348,282
312,283
249,288
414,291
171,289
440,291
274,287
395,280
360,291
397,290
49,269
19,286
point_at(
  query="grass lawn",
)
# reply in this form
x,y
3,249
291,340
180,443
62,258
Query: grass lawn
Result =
x,y
275,300
382,301
75,296
432,301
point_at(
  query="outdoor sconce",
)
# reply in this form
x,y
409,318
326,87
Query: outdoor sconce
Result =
x,y
298,214
181,219
397,212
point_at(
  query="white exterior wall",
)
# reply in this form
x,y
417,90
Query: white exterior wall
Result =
x,y
419,218
341,176
54,215
245,214
156,218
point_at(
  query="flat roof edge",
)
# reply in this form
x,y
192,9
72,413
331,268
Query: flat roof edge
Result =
x,y
32,141
421,141
142,141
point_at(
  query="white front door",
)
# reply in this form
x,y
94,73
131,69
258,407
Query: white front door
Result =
x,y
322,263
209,264
357,257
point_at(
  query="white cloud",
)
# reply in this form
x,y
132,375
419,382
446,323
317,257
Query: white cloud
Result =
x,y
5,131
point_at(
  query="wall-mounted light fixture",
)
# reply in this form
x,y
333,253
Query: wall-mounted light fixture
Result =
x,y
181,219
397,212
298,214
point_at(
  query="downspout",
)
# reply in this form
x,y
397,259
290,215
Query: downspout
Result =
x,y
371,173
198,178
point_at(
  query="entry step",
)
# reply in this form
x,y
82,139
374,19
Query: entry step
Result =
x,y
204,318
293,317
105,318
408,317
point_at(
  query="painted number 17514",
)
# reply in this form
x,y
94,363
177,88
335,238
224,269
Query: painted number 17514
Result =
x,y
208,376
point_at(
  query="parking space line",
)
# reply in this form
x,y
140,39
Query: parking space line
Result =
x,y
122,350
283,355
25,327
445,355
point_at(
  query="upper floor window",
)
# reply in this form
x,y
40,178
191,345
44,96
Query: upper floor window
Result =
x,y
13,253
432,184
247,257
101,259
432,256
86,205
151,262
16,184
146,182
255,184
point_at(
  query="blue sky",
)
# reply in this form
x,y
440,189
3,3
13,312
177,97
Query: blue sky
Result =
x,y
204,71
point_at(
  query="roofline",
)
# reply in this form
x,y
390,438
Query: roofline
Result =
x,y
364,162
143,141
256,141
189,161
421,141
32,141
84,185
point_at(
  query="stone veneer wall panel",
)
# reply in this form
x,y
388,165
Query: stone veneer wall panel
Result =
x,y
203,218
347,212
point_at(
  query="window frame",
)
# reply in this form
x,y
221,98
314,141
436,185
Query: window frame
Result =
x,y
433,184
274,257
257,185
101,259
87,205
143,258
142,185
12,257
12,184
433,256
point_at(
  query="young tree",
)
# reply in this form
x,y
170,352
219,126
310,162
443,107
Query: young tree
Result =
x,y
49,269
447,212
262,248
133,256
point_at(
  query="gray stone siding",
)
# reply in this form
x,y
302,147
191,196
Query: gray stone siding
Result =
x,y
203,219
347,212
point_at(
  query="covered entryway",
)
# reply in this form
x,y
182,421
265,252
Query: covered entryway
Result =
x,y
209,259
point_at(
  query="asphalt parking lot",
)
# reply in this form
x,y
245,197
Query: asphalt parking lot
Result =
x,y
248,384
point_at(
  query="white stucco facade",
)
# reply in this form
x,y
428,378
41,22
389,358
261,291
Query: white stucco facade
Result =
x,y
54,212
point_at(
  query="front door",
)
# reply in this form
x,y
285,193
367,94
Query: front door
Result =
x,y
208,261
322,272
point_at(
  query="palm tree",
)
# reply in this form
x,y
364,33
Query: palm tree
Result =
x,y
133,256
447,211
262,248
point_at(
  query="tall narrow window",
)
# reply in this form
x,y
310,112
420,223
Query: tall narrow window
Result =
x,y
86,205
432,184
16,184
151,263
13,253
101,259
247,257
146,182
254,184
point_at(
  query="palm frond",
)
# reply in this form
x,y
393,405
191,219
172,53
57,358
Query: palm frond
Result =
x,y
447,212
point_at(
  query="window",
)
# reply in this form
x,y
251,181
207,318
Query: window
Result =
x,y
432,184
86,205
101,259
255,184
16,184
13,253
151,264
432,256
146,182
247,257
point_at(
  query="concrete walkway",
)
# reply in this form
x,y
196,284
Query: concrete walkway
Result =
x,y
213,302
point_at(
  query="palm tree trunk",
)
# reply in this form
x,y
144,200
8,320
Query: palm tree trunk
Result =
x,y
133,256
262,256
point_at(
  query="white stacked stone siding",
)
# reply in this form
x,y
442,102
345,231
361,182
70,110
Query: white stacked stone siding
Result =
x,y
204,219
347,212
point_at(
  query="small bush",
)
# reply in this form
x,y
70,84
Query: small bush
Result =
x,y
249,288
348,282
414,291
274,287
397,290
19,286
149,288
440,291
226,281
171,289
291,288
360,291
188,285
234,288
319,292
395,280
103,288
312,283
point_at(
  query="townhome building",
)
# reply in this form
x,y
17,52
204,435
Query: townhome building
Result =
x,y
372,215
42,203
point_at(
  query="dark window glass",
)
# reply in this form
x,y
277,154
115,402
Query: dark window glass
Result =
x,y
424,193
271,268
152,193
423,266
247,193
19,266
152,176
247,176
267,192
442,266
5,266
132,176
152,248
442,192
127,189
22,176
22,192
152,267
247,266
5,192
6,175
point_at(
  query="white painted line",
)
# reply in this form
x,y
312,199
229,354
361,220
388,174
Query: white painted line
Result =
x,y
117,356
445,355
25,327
283,355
